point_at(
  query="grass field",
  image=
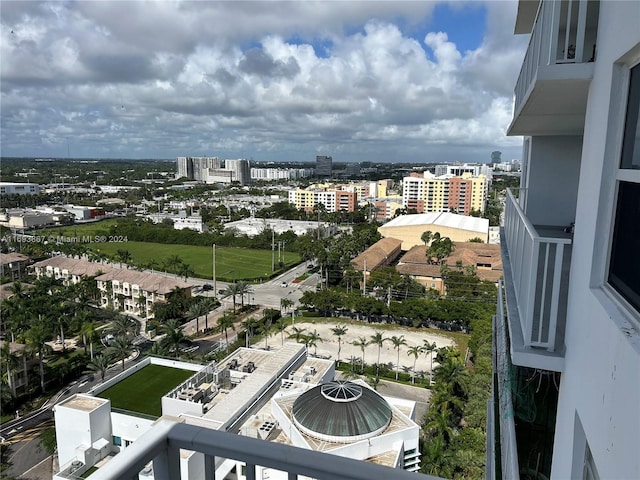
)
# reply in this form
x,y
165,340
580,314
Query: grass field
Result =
x,y
142,392
231,263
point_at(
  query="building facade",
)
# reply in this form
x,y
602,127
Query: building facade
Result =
x,y
427,193
9,188
567,327
324,166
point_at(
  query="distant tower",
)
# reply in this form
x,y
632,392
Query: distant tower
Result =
x,y
495,157
324,166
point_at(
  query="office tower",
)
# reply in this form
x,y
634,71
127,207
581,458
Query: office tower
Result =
x,y
323,166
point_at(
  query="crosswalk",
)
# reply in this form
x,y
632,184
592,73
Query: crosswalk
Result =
x,y
19,436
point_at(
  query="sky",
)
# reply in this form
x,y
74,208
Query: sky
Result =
x,y
379,81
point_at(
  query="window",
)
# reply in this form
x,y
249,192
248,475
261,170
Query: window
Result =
x,y
624,262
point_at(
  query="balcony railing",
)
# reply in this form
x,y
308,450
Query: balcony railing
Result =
x,y
162,444
564,32
539,273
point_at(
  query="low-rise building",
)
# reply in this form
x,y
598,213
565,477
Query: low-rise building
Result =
x,y
13,265
459,228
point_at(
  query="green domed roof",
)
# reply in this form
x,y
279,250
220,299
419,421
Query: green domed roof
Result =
x,y
341,411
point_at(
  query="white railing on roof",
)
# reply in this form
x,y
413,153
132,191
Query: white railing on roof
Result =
x,y
558,37
162,444
536,263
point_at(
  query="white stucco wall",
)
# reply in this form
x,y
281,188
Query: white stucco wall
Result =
x,y
553,180
601,382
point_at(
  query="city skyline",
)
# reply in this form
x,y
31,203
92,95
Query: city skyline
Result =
x,y
421,82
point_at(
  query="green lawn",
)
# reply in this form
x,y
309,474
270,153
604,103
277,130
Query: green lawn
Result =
x,y
231,263
142,391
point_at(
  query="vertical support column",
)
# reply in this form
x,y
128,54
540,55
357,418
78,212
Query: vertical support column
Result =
x,y
210,467
166,465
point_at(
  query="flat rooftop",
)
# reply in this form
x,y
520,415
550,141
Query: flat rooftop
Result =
x,y
83,403
142,392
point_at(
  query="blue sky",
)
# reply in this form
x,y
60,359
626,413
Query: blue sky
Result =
x,y
274,81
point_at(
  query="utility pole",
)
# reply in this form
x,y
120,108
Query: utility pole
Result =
x,y
273,251
364,280
215,291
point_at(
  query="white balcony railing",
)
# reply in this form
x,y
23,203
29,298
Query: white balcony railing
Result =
x,y
162,444
563,33
539,279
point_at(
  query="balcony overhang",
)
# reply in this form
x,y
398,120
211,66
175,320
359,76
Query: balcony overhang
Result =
x,y
555,102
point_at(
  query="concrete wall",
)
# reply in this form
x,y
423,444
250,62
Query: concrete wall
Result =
x,y
553,173
601,382
410,234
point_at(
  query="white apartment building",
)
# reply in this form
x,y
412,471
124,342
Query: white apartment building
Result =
x,y
567,354
11,188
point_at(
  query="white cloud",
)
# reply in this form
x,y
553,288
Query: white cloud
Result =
x,y
227,77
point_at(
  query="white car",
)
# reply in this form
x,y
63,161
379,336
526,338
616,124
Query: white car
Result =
x,y
284,285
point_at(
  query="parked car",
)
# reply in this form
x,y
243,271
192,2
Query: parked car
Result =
x,y
207,287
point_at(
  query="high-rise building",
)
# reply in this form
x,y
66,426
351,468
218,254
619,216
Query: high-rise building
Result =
x,y
196,168
496,157
240,169
567,328
324,166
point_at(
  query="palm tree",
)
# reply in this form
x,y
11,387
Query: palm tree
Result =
x,y
281,326
297,334
173,336
285,303
195,311
243,288
429,348
249,324
88,330
225,322
451,374
397,343
123,256
339,331
426,237
377,339
312,341
185,270
100,364
415,351
232,290
36,338
208,305
362,343
120,349
265,329
172,263
10,363
122,326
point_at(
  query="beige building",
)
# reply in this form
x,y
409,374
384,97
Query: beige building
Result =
x,y
459,228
